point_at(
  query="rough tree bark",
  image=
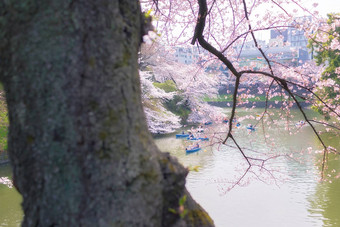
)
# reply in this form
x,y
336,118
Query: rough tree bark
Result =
x,y
78,142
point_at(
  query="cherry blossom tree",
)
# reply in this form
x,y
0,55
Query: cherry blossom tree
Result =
x,y
188,84
6,181
224,28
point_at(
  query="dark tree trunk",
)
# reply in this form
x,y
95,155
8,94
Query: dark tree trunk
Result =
x,y
78,142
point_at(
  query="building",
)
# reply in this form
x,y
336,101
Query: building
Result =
x,y
284,55
292,35
250,45
296,37
277,33
292,38
186,55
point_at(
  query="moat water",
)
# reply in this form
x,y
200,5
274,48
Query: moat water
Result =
x,y
287,191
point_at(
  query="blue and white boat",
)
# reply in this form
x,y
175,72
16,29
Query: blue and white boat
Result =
x,y
251,128
192,138
180,136
204,138
192,150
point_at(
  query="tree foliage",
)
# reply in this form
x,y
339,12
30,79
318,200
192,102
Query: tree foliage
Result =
x,y
3,124
171,90
179,106
223,29
326,44
167,86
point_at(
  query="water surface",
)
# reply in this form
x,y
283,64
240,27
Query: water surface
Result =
x,y
292,196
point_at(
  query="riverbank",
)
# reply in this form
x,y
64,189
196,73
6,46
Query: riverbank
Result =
x,y
4,158
271,104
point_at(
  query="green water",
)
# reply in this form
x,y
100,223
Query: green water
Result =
x,y
10,210
290,194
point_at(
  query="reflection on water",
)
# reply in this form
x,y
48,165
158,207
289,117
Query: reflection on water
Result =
x,y
10,210
293,196
326,199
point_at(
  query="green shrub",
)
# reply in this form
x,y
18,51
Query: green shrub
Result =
x,y
180,107
4,123
3,138
167,86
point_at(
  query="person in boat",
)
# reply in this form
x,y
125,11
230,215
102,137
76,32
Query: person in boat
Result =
x,y
200,129
300,123
182,132
251,128
197,145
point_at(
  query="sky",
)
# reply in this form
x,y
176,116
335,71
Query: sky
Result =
x,y
323,7
326,6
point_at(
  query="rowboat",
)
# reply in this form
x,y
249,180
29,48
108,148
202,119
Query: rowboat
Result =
x,y
182,135
193,138
205,138
250,128
188,151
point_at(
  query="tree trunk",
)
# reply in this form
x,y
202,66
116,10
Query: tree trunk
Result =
x,y
78,141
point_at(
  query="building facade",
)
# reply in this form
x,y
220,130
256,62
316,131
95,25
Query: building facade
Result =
x,y
186,55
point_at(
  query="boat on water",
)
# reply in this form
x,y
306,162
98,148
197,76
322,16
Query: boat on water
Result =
x,y
200,129
300,124
192,138
204,138
192,150
251,128
182,136
198,138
